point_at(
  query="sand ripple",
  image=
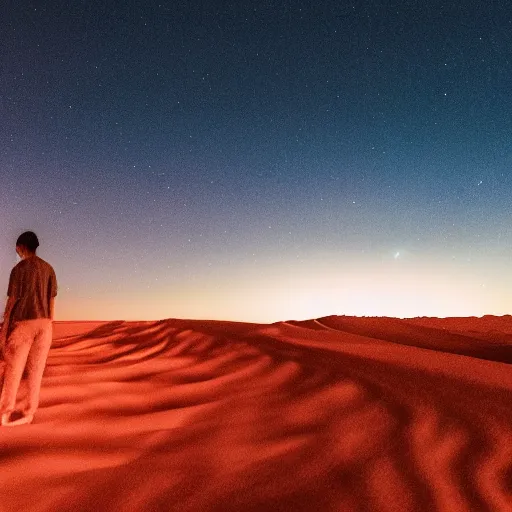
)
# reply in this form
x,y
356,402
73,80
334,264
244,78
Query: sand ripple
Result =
x,y
334,414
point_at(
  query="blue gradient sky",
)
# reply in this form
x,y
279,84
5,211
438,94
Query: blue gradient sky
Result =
x,y
260,160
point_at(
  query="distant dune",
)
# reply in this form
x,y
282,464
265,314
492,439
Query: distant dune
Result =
x,y
334,414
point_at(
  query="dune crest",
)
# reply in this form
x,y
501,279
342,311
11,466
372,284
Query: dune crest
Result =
x,y
333,414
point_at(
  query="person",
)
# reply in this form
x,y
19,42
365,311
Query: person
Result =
x,y
26,333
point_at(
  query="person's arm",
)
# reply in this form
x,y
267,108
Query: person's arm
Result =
x,y
7,318
52,308
12,296
52,293
8,310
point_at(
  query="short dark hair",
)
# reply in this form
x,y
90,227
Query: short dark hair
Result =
x,y
29,240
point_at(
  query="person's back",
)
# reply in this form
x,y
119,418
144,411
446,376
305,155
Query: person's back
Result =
x,y
32,283
26,333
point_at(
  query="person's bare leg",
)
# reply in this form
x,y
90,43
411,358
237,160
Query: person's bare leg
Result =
x,y
16,352
36,364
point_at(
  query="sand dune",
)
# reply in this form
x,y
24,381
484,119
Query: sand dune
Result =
x,y
334,414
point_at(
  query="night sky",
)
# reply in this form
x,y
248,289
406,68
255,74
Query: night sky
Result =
x,y
260,161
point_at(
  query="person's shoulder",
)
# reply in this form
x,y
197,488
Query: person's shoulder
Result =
x,y
21,264
18,270
45,264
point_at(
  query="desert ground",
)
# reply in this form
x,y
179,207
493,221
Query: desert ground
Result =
x,y
333,414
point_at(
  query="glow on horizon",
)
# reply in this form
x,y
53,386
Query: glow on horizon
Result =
x,y
291,293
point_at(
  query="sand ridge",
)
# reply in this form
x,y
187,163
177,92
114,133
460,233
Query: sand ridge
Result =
x,y
334,414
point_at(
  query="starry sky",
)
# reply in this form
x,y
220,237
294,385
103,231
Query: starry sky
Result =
x,y
260,160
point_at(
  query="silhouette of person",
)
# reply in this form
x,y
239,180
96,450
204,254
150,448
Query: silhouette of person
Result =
x,y
26,332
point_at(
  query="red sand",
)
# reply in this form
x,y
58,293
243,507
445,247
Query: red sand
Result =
x,y
336,414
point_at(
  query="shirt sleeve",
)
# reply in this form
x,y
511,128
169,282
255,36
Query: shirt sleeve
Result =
x,y
52,284
13,288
